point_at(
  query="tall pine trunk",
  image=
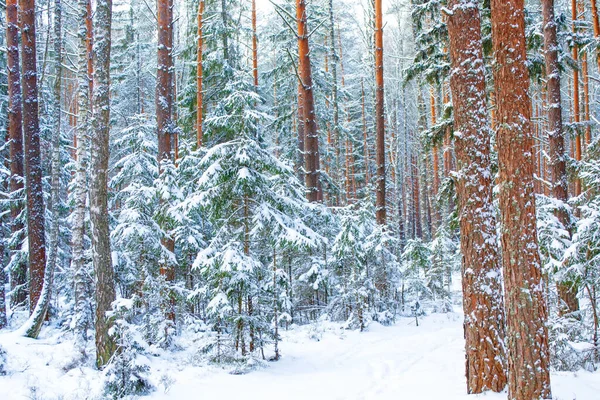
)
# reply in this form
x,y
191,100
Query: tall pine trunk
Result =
x,y
101,254
380,206
41,308
164,116
311,138
18,275
556,139
33,161
576,98
481,274
526,313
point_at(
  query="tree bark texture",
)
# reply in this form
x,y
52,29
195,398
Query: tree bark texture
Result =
x,y
556,140
526,313
380,206
18,275
101,254
481,273
199,77
80,186
311,138
33,161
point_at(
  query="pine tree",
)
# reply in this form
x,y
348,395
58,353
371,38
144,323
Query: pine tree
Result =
x,y
481,275
18,270
567,290
34,325
306,98
379,115
526,313
246,193
33,164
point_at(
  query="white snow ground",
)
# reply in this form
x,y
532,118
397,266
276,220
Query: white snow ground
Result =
x,y
401,361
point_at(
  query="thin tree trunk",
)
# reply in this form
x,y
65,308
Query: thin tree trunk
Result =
x,y
334,86
3,320
80,191
481,274
379,116
311,139
364,128
275,307
526,313
417,198
164,117
576,99
101,254
556,140
586,99
254,46
18,274
596,24
33,162
199,77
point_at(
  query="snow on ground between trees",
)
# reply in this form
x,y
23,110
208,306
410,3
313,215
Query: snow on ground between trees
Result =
x,y
320,361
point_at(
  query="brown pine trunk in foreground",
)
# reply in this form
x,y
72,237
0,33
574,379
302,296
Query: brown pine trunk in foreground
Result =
x,y
199,77
33,164
556,140
481,274
18,281
380,211
311,139
526,313
101,254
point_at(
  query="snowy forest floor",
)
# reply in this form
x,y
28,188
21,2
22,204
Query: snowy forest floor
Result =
x,y
319,361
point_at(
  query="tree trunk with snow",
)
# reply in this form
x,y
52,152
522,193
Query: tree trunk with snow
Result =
x,y
41,308
164,115
481,274
33,162
311,138
80,185
526,313
199,77
101,254
300,128
576,97
379,116
18,274
567,290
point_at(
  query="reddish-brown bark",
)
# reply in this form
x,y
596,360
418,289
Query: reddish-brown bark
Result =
x,y
15,135
379,116
311,138
481,275
33,165
556,139
164,113
526,313
576,99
